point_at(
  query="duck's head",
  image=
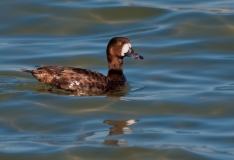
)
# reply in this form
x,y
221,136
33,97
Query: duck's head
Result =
x,y
120,47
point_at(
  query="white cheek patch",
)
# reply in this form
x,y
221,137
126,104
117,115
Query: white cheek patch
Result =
x,y
125,48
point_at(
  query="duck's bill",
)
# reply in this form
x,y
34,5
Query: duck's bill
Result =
x,y
133,54
137,56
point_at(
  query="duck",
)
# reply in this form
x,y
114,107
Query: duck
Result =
x,y
88,82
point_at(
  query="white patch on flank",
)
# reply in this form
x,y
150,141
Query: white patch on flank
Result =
x,y
125,48
77,83
74,83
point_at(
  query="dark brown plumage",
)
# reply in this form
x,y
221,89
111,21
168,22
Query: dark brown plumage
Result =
x,y
87,82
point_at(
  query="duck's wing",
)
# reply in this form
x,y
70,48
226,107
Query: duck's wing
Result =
x,y
69,78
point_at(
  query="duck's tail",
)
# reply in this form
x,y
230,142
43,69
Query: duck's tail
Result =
x,y
26,70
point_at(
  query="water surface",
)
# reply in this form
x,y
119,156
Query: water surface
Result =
x,y
180,105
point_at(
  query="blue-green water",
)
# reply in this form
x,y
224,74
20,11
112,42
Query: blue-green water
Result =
x,y
181,97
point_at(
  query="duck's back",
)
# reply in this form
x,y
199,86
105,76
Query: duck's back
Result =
x,y
80,80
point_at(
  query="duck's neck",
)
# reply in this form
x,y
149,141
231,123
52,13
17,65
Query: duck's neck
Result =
x,y
115,69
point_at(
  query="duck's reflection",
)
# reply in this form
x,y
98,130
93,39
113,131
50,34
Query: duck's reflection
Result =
x,y
119,127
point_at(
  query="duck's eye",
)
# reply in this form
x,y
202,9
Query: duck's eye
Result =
x,y
119,43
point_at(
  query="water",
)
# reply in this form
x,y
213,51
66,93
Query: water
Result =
x,y
180,105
